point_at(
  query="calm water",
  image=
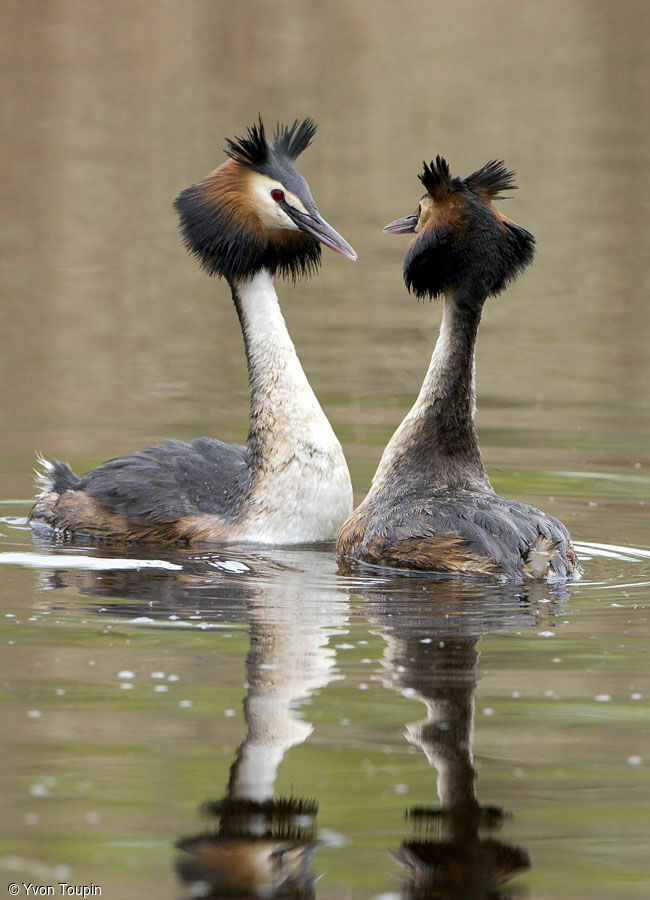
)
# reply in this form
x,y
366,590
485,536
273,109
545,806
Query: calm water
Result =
x,y
395,736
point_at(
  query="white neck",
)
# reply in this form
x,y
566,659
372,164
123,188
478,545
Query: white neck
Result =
x,y
277,380
301,473
290,658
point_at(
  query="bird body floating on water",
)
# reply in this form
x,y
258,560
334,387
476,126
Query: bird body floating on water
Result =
x,y
250,219
431,505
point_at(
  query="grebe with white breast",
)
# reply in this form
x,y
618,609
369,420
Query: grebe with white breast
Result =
x,y
248,220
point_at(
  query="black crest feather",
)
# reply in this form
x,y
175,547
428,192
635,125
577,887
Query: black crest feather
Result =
x,y
436,177
251,150
295,139
254,150
491,179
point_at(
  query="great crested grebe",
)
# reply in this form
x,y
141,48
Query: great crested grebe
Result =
x,y
431,505
249,219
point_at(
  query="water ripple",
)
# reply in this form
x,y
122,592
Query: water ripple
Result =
x,y
70,561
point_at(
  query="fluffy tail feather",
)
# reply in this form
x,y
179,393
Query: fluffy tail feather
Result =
x,y
539,556
54,476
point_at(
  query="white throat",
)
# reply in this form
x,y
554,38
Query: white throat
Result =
x,y
302,490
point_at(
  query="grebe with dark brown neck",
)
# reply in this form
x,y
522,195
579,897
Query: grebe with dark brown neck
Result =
x,y
431,505
248,220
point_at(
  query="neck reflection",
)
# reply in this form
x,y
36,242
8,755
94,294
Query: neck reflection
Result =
x,y
262,845
431,655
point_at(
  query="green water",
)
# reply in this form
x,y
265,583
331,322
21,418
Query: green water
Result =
x,y
124,692
133,694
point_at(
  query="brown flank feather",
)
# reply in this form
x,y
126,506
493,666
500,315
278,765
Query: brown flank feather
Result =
x,y
75,512
445,552
441,552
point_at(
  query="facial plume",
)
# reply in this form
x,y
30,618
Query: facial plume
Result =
x,y
218,221
464,242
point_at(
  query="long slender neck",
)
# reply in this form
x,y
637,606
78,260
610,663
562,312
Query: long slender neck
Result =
x,y
284,410
289,658
437,439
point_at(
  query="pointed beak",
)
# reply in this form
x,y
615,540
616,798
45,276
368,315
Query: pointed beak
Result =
x,y
318,228
402,226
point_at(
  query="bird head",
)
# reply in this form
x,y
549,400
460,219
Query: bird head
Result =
x,y
462,242
255,211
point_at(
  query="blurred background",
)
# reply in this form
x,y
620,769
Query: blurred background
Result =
x,y
113,339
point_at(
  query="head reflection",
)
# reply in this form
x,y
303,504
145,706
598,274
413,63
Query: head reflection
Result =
x,y
431,631
257,850
258,845
262,845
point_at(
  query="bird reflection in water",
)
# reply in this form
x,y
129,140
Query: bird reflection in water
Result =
x,y
257,850
262,846
431,655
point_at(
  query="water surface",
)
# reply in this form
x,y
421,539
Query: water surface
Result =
x,y
487,733
497,731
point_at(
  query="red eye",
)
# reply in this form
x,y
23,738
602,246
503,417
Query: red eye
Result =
x,y
277,195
